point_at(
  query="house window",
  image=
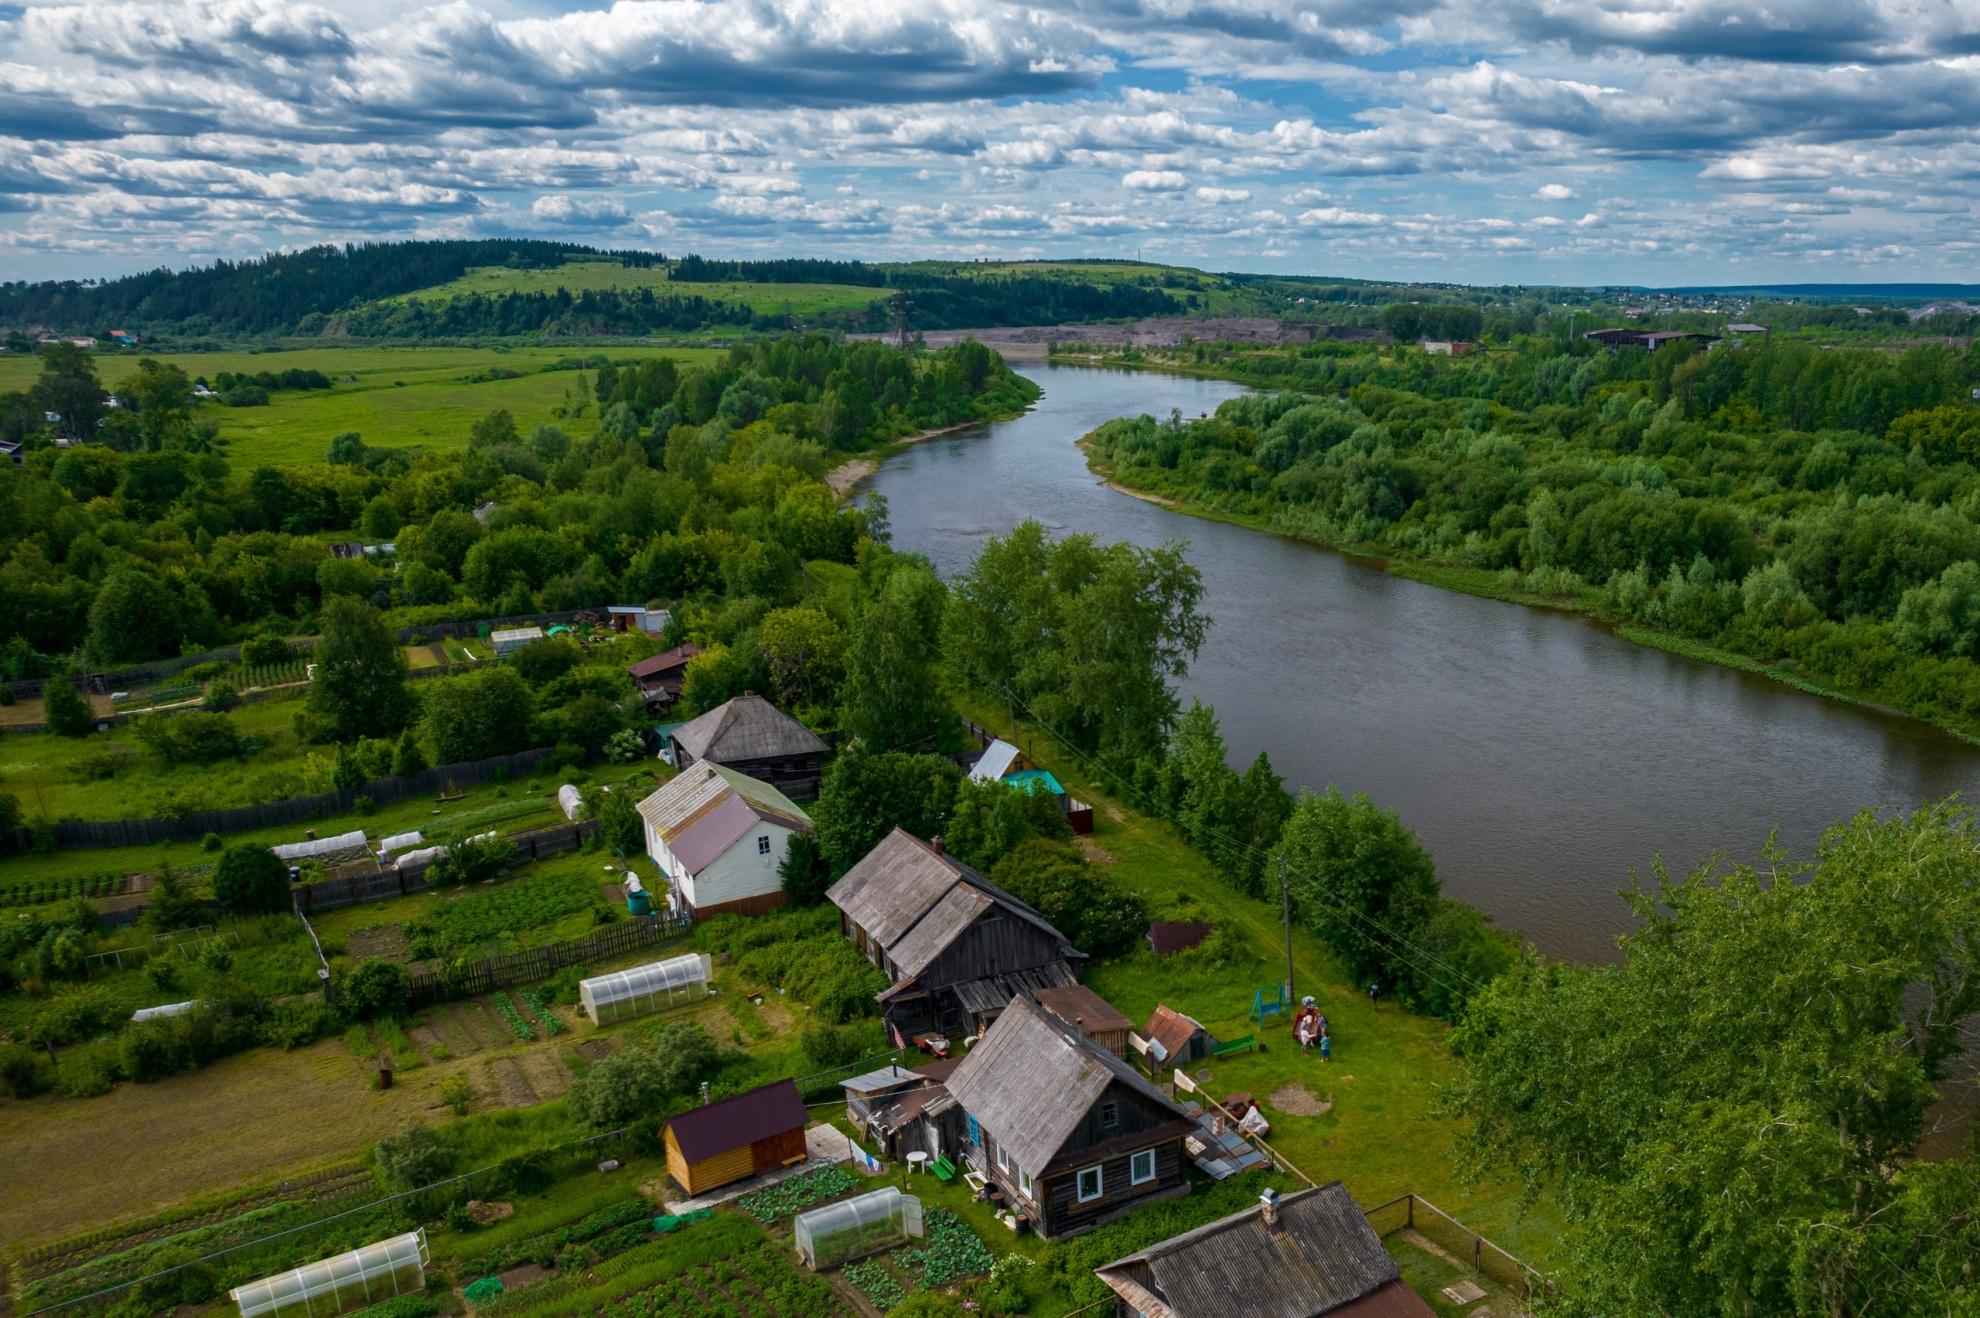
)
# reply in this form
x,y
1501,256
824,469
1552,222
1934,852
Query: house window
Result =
x,y
1024,1182
1141,1167
1089,1184
1110,1114
763,845
1003,1161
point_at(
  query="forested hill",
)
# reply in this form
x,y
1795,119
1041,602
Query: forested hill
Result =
x,y
360,291
273,293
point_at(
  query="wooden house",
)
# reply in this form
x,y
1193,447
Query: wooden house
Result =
x,y
1174,1039
956,946
1300,1255
720,837
753,736
1071,1135
1090,1014
924,1119
868,1095
737,1137
658,677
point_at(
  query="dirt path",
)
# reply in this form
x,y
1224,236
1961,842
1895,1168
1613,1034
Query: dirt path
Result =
x,y
505,1076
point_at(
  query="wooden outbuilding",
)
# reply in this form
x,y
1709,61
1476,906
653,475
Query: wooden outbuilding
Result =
x,y
659,677
1070,1134
1174,1039
1090,1014
737,1137
753,736
1299,1255
956,946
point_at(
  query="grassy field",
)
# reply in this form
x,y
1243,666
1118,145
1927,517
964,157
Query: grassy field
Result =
x,y
592,276
393,397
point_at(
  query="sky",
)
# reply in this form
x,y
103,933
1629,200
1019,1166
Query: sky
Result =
x,y
1518,141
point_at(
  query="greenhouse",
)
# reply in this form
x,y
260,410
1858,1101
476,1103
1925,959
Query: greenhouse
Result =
x,y
853,1228
628,993
337,1285
344,846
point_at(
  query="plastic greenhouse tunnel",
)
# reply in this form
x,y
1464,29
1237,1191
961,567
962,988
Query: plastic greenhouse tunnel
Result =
x,y
625,994
853,1228
337,1285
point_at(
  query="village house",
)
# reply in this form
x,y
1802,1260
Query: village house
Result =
x,y
725,1141
1072,1136
753,736
637,618
658,677
720,837
1300,1255
956,946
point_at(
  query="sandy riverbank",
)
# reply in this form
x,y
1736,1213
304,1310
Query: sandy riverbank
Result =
x,y
844,477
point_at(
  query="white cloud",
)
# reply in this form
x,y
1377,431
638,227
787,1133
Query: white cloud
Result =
x,y
1223,196
1154,180
1554,192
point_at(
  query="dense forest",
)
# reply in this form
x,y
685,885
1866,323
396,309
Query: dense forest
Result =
x,y
153,547
347,291
1810,509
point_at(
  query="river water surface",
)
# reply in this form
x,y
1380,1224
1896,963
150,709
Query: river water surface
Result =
x,y
1540,758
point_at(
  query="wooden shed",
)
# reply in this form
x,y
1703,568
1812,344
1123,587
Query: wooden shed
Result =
x,y
737,1137
1090,1014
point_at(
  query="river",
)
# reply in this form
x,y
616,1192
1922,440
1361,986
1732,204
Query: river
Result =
x,y
1540,758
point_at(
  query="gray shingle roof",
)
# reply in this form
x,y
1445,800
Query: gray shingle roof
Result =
x,y
913,900
1324,1256
746,728
1032,1078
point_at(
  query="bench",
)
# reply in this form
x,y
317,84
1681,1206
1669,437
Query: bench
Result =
x,y
1230,1046
944,1169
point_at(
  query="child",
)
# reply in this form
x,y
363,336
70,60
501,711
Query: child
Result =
x,y
1326,1047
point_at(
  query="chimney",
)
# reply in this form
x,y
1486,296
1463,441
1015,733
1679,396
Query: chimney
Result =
x,y
704,1093
1079,1023
936,843
1268,1210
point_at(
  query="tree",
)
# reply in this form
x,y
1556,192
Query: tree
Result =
x,y
375,989
472,860
69,387
408,757
477,715
345,775
265,650
628,1085
892,695
619,821
135,615
360,682
1078,899
1943,615
172,904
1362,881
866,796
989,819
804,873
1744,1090
64,709
249,879
805,651
414,1156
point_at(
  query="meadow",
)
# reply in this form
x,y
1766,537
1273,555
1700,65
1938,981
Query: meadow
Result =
x,y
594,276
393,397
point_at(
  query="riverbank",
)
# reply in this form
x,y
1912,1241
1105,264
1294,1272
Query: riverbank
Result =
x,y
852,471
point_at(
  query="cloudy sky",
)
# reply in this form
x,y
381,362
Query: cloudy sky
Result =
x,y
1562,141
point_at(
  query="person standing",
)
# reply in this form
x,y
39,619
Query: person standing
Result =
x,y
1326,1047
1374,993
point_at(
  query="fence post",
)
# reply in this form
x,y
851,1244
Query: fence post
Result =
x,y
1409,1210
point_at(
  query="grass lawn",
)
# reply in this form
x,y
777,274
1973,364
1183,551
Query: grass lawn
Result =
x,y
394,397
1382,1135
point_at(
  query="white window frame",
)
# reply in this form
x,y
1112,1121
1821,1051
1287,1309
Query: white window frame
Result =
x,y
1134,1167
1003,1160
1024,1184
1099,1183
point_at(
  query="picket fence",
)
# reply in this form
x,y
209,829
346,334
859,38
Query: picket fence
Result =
x,y
509,968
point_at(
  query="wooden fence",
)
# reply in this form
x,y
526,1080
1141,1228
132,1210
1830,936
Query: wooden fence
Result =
x,y
535,963
83,834
400,881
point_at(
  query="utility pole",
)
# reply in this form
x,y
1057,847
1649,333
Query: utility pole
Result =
x,y
1285,903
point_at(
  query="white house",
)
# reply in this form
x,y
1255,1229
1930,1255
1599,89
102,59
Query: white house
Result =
x,y
719,836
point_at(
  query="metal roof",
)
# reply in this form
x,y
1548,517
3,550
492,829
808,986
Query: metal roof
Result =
x,y
995,762
1171,1029
1321,1258
1032,1079
746,728
745,1118
1168,937
706,809
878,1082
982,997
664,662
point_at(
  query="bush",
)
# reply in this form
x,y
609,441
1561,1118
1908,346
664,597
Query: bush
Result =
x,y
86,1074
151,1050
457,1094
376,988
249,879
221,696
296,1022
264,651
23,1072
64,709
625,747
212,842
471,860
414,1155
